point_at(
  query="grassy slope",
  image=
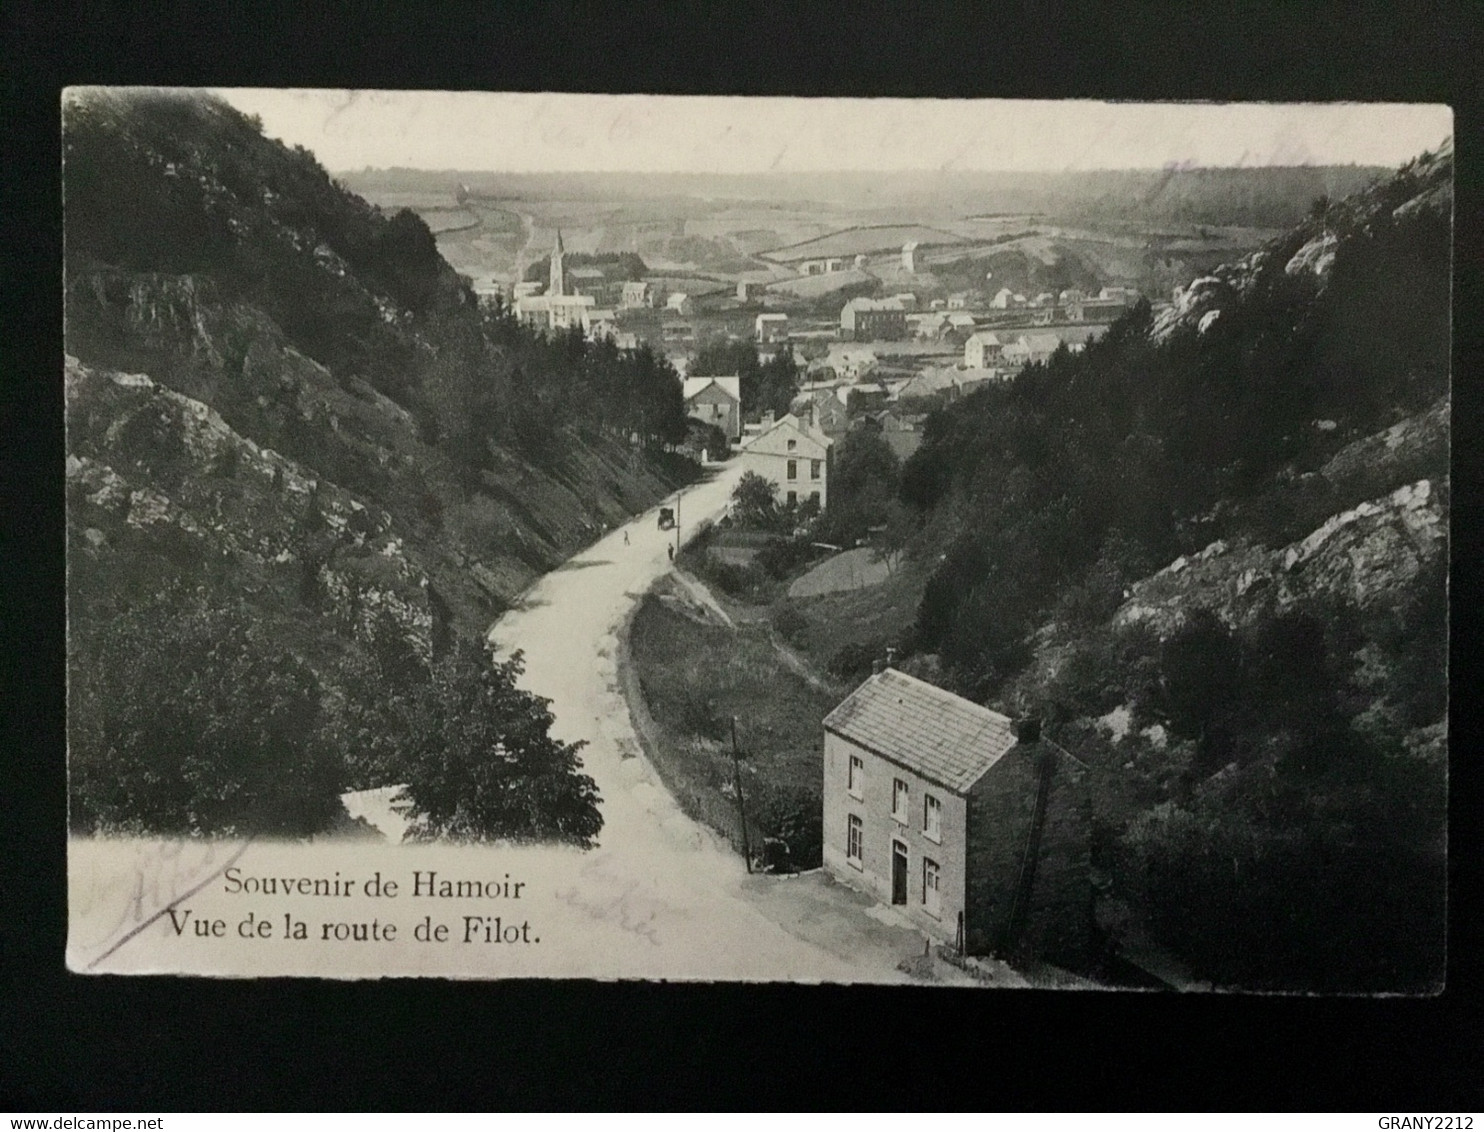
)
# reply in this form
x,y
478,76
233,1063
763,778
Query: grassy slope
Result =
x,y
695,676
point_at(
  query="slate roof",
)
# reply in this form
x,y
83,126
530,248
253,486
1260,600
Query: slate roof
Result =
x,y
941,736
694,386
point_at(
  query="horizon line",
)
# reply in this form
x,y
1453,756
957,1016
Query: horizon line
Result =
x,y
1168,167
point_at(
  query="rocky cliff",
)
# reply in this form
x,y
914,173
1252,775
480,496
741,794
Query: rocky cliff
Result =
x,y
254,367
1307,252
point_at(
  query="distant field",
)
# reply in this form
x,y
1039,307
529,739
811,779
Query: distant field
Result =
x,y
861,241
391,201
716,235
690,284
813,286
440,220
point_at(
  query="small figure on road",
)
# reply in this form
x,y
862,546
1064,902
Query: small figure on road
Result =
x,y
670,550
626,538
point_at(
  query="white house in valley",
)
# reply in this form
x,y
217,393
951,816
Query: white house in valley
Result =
x,y
982,350
794,455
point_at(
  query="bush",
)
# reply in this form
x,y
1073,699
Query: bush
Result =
x,y
782,557
790,623
853,662
1292,904
190,719
743,582
481,765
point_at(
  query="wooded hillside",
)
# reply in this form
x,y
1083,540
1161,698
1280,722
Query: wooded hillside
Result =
x,y
1267,713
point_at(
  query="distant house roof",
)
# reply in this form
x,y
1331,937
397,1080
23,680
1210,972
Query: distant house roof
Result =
x,y
731,386
960,319
849,356
584,273
767,440
939,735
1041,342
987,337
931,381
862,304
775,316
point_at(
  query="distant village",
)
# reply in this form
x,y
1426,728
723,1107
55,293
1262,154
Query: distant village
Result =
x,y
893,358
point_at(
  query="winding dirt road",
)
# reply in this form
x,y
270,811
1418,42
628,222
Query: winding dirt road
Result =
x,y
690,882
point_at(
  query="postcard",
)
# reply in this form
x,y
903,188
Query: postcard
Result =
x,y
975,543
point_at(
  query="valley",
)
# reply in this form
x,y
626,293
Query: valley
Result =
x,y
977,578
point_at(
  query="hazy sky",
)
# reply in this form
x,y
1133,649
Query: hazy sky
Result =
x,y
654,133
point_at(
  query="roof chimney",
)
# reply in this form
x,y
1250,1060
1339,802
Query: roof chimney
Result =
x,y
891,657
1027,729
878,666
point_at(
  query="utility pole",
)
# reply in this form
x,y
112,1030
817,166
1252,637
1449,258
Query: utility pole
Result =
x,y
741,803
678,496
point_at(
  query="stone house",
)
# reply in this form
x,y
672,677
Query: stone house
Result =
x,y
866,320
973,826
829,412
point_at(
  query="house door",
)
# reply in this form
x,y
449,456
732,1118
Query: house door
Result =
x,y
898,873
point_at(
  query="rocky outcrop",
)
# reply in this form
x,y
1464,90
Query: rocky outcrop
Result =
x,y
166,476
1315,257
1308,252
1364,555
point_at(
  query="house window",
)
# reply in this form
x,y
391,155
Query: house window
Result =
x,y
899,794
814,495
792,444
856,782
793,498
932,818
793,469
815,467
855,839
931,880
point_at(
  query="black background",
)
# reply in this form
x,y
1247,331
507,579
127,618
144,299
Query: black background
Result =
x,y
72,1043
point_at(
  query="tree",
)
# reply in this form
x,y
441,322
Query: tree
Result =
x,y
754,503
775,385
481,764
726,358
863,483
900,524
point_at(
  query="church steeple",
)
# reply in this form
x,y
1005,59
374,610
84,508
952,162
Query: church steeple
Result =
x,y
558,284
